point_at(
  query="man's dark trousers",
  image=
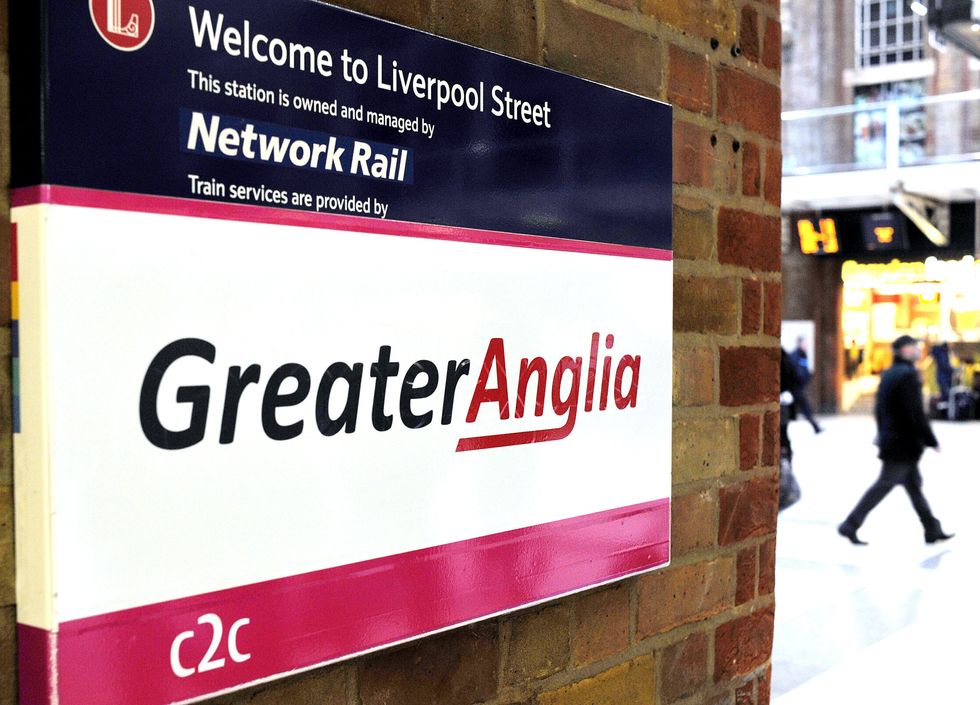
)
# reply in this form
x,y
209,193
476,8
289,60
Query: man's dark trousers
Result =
x,y
895,472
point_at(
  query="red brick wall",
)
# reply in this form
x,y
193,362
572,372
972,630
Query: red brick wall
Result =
x,y
699,631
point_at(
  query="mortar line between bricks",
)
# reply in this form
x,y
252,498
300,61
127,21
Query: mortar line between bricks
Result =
x,y
683,268
762,206
707,554
757,71
692,558
695,487
763,407
712,198
740,341
703,413
690,266
749,475
715,124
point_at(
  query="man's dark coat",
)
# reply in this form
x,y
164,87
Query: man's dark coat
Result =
x,y
903,430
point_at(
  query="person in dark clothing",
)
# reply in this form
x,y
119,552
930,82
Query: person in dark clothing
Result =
x,y
789,488
803,377
788,382
903,435
944,369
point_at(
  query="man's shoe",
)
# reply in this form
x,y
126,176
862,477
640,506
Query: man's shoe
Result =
x,y
851,534
938,536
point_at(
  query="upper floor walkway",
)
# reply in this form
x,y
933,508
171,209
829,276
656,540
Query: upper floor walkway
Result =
x,y
851,156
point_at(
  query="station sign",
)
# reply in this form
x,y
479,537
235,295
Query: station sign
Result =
x,y
818,236
884,230
329,334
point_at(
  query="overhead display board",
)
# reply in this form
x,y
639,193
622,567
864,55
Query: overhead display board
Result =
x,y
883,232
329,334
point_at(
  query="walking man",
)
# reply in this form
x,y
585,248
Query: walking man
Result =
x,y
803,376
903,435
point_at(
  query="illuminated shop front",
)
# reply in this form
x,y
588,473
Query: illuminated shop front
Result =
x,y
936,301
859,278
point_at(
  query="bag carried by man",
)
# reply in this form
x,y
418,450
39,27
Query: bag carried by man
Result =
x,y
789,488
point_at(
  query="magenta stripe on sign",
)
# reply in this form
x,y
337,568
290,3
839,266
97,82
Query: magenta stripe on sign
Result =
x,y
35,657
165,205
306,620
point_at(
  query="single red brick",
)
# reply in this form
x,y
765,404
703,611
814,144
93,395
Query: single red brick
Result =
x,y
694,155
748,34
692,523
748,441
694,376
694,229
751,170
705,304
539,644
684,667
747,510
743,644
772,51
749,101
745,695
631,682
602,621
774,175
751,306
749,239
748,375
767,567
745,578
773,305
689,81
770,438
703,18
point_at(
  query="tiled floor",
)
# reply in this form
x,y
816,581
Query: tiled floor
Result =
x,y
894,622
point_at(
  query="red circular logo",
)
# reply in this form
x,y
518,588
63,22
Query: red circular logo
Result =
x,y
125,24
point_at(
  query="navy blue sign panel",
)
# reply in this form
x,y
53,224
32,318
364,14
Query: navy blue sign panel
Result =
x,y
884,230
325,101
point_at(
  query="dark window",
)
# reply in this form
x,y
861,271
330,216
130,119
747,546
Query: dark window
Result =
x,y
888,32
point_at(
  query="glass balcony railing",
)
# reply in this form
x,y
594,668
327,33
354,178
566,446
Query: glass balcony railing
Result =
x,y
885,135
